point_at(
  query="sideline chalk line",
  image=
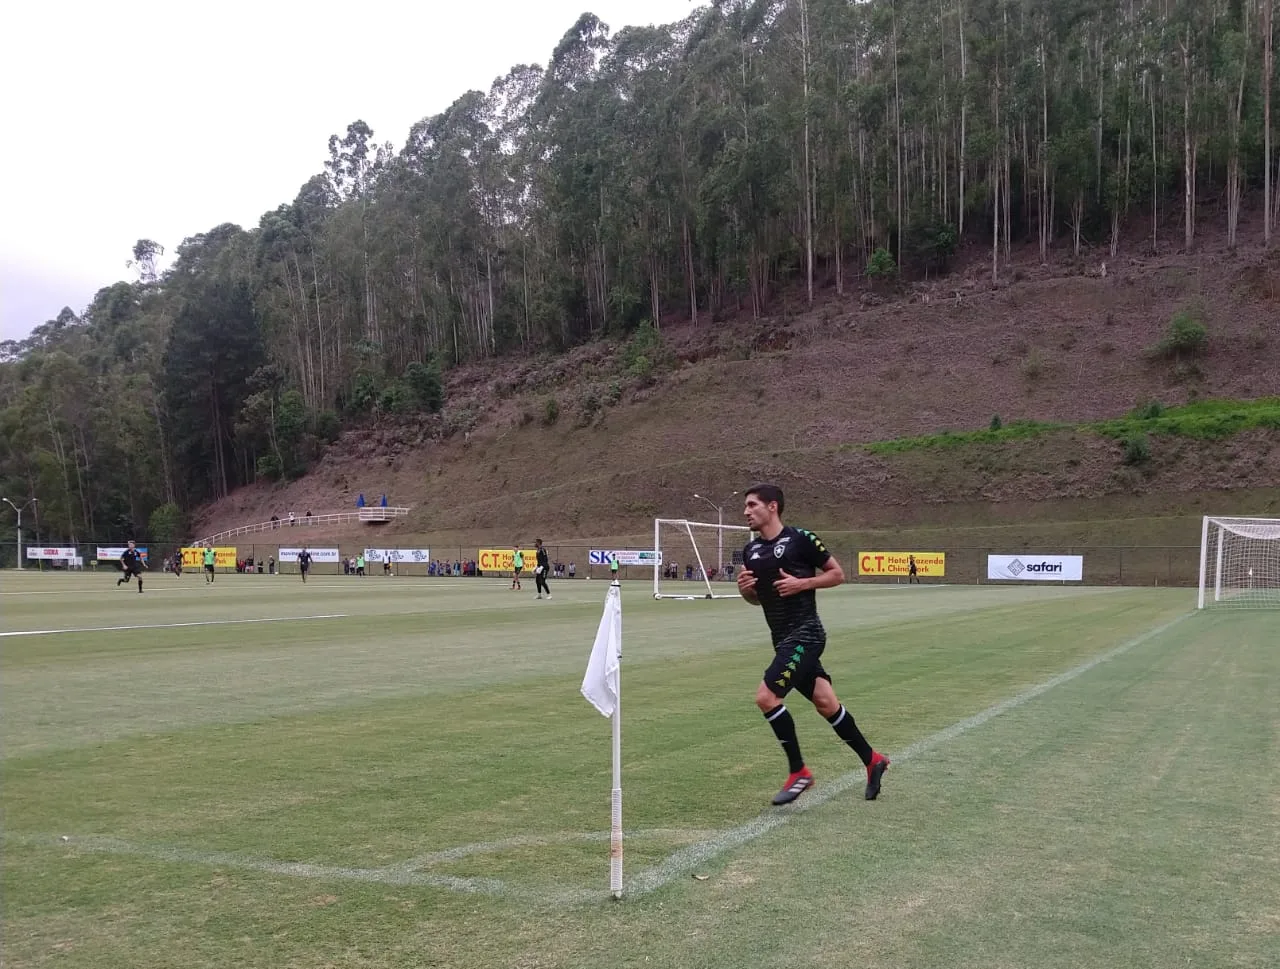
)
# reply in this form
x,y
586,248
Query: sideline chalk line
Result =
x,y
166,625
406,873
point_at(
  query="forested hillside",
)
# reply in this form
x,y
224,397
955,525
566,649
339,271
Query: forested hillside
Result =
x,y
689,175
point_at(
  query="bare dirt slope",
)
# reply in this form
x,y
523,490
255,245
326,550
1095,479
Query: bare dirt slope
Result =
x,y
736,401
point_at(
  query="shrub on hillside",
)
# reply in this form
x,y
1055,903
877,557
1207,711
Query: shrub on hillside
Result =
x,y
1186,336
881,264
328,427
166,523
1137,450
1148,411
427,385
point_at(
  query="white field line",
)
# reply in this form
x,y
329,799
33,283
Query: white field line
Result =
x,y
394,875
406,873
683,862
167,625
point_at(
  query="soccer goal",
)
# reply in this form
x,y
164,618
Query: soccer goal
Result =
x,y
1240,563
699,560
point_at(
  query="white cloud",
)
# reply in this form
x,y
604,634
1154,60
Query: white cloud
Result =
x,y
162,121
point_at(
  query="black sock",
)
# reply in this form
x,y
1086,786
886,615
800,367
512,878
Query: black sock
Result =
x,y
842,723
784,728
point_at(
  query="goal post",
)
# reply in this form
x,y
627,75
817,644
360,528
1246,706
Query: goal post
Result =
x,y
1239,563
696,560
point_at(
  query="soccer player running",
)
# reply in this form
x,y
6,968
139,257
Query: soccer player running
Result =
x,y
540,570
304,563
132,565
209,561
781,570
912,571
517,566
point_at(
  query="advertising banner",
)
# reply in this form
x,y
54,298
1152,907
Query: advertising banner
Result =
x,y
51,552
378,555
1036,568
499,559
112,553
318,555
224,557
626,556
930,564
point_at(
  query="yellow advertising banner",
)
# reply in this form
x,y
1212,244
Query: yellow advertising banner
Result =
x,y
500,559
223,557
932,564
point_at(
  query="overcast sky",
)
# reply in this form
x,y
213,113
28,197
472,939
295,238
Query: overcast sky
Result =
x,y
129,121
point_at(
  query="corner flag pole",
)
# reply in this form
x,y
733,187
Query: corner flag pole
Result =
x,y
602,687
615,824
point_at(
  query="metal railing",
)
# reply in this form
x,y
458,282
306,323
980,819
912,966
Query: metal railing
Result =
x,y
378,514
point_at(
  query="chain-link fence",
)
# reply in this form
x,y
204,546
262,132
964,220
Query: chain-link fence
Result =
x,y
1103,565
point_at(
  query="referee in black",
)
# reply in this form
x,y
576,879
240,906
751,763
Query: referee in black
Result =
x,y
781,569
541,568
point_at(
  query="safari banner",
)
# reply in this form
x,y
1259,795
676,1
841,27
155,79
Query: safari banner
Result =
x,y
931,564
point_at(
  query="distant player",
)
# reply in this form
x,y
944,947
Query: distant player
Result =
x,y
613,566
304,563
517,566
541,568
131,565
911,570
209,563
781,570
177,563
386,563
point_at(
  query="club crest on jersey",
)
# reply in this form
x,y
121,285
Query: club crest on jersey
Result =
x,y
779,551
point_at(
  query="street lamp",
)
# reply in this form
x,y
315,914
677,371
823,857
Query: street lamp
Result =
x,y
29,501
719,532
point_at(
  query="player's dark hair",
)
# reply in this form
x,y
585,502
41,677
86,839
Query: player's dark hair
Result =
x,y
767,493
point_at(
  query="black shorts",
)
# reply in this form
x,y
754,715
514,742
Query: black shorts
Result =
x,y
208,568
797,665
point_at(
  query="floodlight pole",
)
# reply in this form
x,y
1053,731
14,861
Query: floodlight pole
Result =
x,y
719,532
29,501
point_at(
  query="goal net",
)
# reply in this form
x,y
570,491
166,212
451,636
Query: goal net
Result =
x,y
1240,563
699,560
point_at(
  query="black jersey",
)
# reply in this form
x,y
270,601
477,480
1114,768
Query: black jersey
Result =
x,y
544,562
131,560
796,552
304,560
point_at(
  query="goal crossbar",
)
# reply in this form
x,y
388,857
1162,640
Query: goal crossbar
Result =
x,y
703,574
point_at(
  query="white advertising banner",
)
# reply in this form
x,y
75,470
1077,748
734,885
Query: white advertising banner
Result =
x,y
376,555
113,553
1036,568
599,556
60,552
318,555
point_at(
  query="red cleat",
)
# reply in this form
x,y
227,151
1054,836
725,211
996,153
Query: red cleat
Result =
x,y
875,771
797,784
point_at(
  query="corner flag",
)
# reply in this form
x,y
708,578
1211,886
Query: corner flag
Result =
x,y
602,687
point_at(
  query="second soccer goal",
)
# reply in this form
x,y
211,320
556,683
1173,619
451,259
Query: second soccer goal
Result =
x,y
1240,563
699,560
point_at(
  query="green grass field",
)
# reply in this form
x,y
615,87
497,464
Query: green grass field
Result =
x,y
1082,777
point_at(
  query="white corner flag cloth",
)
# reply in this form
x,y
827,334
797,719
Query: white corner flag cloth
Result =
x,y
600,685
